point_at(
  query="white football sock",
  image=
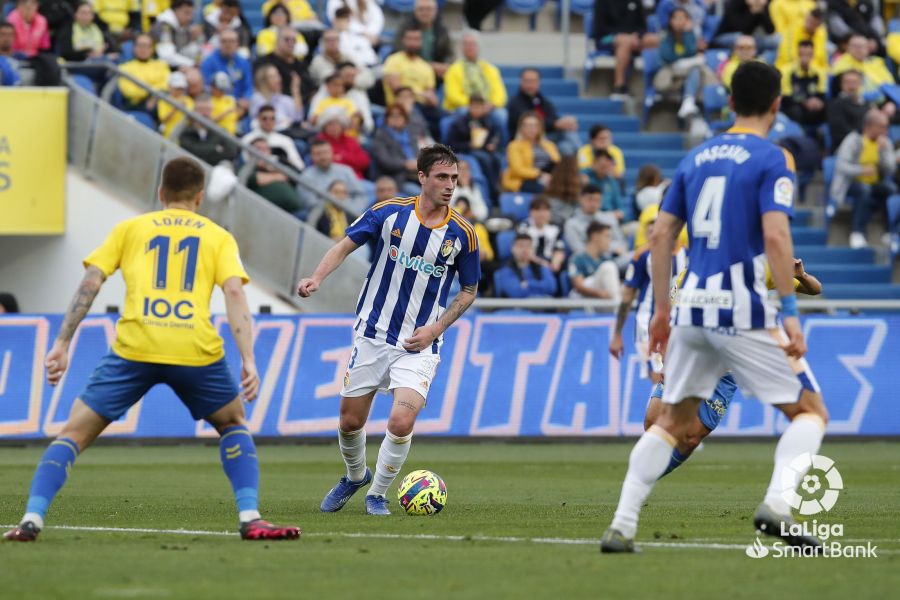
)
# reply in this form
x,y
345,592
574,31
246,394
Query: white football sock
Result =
x,y
391,457
803,435
245,516
35,518
353,449
647,463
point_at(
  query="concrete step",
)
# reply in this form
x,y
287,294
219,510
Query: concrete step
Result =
x,y
856,291
648,141
809,236
845,274
550,87
832,256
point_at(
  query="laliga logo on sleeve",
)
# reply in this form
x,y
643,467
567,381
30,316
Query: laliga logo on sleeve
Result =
x,y
819,487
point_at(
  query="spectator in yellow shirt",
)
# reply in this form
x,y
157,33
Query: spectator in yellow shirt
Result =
x,y
857,58
267,39
408,69
224,106
144,67
744,50
601,139
300,10
169,116
787,13
336,96
120,16
472,75
808,28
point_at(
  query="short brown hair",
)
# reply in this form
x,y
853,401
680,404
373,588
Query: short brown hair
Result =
x,y
435,154
538,203
182,179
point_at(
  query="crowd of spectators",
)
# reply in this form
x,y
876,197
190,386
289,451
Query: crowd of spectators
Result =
x,y
345,108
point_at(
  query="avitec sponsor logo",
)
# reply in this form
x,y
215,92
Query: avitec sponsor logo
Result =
x,y
416,263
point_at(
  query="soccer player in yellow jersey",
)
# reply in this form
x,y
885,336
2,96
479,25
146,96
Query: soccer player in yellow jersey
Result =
x,y
170,260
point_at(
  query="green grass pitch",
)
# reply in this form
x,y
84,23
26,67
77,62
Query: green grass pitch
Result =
x,y
521,522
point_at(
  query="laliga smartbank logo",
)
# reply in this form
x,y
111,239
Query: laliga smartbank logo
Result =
x,y
818,491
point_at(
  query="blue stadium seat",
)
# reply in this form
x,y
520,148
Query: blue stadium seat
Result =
x,y
85,82
143,118
834,256
858,291
583,8
809,236
664,159
547,72
715,58
505,241
445,125
401,6
515,205
565,284
893,212
710,25
651,66
715,98
837,274
597,106
549,87
828,174
522,7
647,141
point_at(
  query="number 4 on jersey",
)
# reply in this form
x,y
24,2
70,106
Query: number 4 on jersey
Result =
x,y
707,218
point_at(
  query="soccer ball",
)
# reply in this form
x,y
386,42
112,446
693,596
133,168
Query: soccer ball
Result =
x,y
422,493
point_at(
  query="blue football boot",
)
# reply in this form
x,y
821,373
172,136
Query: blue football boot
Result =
x,y
342,492
377,505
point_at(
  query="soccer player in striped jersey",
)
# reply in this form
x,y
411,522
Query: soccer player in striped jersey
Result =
x,y
735,193
170,260
421,245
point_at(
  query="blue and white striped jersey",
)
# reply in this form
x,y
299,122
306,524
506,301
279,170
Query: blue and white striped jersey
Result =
x,y
412,268
638,276
721,190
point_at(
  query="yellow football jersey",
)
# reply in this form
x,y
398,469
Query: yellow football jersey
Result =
x,y
170,260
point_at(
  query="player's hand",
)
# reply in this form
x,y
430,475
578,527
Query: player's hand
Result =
x,y
421,338
617,346
249,382
56,363
799,271
796,344
306,287
660,329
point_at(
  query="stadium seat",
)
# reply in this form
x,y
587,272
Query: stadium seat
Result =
x,y
651,66
522,7
893,212
828,174
582,8
715,98
445,125
85,83
515,205
400,6
143,118
505,241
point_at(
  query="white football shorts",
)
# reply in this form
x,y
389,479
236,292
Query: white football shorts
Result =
x,y
376,365
698,357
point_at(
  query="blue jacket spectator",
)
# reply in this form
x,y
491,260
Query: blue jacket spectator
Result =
x,y
601,175
227,60
671,50
523,277
8,74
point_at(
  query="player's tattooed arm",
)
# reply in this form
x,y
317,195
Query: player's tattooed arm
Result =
x,y
81,303
628,294
458,307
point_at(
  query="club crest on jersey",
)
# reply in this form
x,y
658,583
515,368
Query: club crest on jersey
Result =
x,y
447,248
416,263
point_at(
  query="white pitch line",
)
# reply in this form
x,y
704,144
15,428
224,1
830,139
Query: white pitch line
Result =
x,y
700,545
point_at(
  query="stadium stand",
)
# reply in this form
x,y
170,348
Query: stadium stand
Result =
x,y
819,227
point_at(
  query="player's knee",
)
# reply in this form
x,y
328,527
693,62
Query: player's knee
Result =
x,y
402,424
351,420
811,404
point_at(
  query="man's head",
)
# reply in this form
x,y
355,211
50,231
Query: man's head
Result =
x,y
471,46
462,205
7,37
601,137
183,181
203,107
405,97
195,82
756,90
438,173
875,124
523,249
334,85
341,20
184,12
591,199
385,188
412,41
230,10
338,190
331,43
805,53
539,211
178,83
851,83
143,47
284,47
27,8
263,146
348,72
425,11
745,48
321,153
858,47
266,118
84,14
603,163
599,238
478,108
530,82
229,43
395,116
814,20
